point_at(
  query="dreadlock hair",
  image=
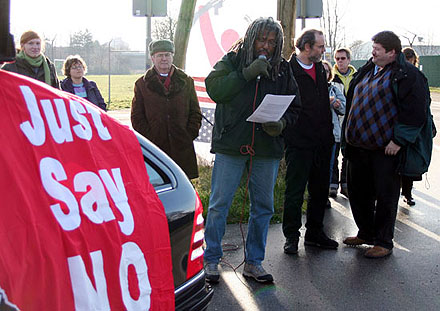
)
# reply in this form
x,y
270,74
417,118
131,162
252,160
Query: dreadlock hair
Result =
x,y
246,45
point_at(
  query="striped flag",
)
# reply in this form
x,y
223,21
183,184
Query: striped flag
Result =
x,y
207,106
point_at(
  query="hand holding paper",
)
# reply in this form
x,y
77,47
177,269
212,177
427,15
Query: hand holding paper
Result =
x,y
271,108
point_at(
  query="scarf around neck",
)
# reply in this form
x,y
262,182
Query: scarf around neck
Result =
x,y
36,62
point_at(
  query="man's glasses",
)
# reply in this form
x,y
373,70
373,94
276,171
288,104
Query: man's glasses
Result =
x,y
77,67
263,41
161,55
341,58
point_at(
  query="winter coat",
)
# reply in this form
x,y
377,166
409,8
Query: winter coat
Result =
x,y
235,96
314,127
22,67
343,79
334,91
413,128
93,94
171,118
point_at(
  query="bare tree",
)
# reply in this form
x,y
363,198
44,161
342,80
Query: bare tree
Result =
x,y
356,49
286,13
165,28
331,23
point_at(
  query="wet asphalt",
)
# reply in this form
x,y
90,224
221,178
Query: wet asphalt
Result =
x,y
344,279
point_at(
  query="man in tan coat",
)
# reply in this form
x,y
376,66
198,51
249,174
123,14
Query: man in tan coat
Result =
x,y
165,108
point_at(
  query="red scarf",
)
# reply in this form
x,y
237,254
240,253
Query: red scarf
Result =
x,y
166,80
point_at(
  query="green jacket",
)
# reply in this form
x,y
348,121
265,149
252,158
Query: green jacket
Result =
x,y
234,97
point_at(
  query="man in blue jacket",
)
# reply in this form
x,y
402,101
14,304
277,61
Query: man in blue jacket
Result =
x,y
240,80
388,104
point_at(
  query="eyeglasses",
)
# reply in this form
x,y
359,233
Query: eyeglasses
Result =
x,y
77,67
263,41
341,58
160,55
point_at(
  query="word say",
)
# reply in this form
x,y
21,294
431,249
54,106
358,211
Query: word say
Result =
x,y
52,172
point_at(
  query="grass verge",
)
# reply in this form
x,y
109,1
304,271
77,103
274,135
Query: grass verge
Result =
x,y
237,211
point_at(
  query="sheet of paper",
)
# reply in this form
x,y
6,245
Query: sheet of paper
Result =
x,y
271,108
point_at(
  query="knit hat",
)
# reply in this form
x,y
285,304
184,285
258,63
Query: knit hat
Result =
x,y
161,46
28,36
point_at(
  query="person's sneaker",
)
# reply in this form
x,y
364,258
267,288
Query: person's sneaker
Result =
x,y
409,200
257,272
344,191
355,241
291,246
333,192
319,239
211,272
378,252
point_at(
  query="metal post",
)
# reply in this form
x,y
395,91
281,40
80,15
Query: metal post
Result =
x,y
109,73
147,54
303,14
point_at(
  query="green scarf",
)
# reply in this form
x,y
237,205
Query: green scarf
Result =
x,y
36,62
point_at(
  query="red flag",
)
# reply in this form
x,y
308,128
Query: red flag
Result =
x,y
81,227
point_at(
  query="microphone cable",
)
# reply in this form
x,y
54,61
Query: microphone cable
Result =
x,y
244,150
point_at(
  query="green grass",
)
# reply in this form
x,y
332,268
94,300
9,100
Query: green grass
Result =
x,y
121,91
237,211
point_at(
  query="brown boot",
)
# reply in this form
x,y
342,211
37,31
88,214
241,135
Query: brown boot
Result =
x,y
378,252
355,241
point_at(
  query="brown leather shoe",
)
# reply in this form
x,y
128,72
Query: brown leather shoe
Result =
x,y
355,241
378,252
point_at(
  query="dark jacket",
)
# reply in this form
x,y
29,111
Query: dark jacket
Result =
x,y
234,97
413,128
314,127
170,119
93,94
22,67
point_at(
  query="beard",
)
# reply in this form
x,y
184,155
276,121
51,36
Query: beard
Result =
x,y
315,58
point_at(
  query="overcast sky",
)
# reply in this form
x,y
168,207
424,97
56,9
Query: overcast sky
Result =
x,y
108,19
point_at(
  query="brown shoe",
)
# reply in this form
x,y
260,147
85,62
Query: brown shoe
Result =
x,y
378,252
355,241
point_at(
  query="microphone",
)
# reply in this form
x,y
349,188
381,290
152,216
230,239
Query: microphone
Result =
x,y
261,56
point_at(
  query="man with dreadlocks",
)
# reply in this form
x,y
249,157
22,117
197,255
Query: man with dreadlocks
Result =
x,y
238,83
309,147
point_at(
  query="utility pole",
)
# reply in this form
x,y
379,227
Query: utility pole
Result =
x,y
149,8
148,40
109,73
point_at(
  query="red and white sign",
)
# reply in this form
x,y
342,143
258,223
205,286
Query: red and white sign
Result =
x,y
81,227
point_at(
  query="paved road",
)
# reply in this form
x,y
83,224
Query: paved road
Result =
x,y
343,279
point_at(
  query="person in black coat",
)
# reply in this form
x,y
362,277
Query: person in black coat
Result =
x,y
75,68
309,145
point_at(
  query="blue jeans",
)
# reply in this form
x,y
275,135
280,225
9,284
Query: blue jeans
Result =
x,y
226,176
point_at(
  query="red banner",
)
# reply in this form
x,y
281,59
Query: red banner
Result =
x,y
81,227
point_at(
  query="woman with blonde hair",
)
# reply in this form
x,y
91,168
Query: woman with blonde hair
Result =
x,y
31,61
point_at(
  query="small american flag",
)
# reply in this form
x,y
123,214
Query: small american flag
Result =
x,y
207,106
